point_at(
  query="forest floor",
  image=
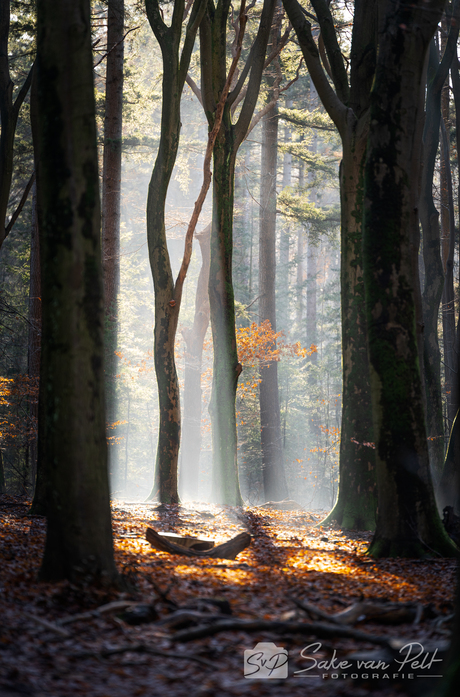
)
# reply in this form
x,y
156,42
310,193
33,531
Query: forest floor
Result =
x,y
47,649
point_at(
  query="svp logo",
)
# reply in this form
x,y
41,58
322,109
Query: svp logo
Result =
x,y
266,661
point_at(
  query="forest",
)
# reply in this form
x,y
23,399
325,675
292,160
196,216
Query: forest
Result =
x,y
229,347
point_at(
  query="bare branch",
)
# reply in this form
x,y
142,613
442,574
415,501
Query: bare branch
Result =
x,y
20,206
114,46
194,87
207,159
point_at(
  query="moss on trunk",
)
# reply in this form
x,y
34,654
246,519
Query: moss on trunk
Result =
x,y
408,523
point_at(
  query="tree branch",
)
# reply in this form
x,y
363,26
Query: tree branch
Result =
x,y
23,91
333,105
336,62
255,76
194,87
450,50
208,156
20,206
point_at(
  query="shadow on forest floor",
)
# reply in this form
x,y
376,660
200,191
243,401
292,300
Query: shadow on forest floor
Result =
x,y
55,643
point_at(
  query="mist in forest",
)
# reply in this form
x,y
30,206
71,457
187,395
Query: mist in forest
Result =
x,y
308,312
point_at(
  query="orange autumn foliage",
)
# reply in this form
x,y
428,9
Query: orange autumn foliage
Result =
x,y
17,425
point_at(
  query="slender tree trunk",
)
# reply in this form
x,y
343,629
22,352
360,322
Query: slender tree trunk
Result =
x,y
275,487
72,441
284,240
226,368
194,339
167,293
449,488
35,328
407,522
300,271
311,319
166,310
111,173
448,295
111,195
432,291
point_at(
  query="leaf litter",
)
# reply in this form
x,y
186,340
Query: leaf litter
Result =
x,y
64,639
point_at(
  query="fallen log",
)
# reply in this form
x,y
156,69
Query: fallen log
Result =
x,y
195,543
227,550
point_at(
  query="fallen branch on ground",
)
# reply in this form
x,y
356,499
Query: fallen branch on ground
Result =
x,y
102,610
319,629
227,550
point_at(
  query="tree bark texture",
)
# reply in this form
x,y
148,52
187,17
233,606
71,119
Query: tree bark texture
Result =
x,y
111,172
35,328
275,487
407,522
347,105
72,442
111,200
226,368
448,295
167,307
434,275
194,339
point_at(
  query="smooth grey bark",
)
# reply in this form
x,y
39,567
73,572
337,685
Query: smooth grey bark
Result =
x,y
72,445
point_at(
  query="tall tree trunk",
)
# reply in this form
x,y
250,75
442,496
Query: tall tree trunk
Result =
x,y
275,487
448,295
226,368
72,442
167,293
347,105
299,292
284,241
35,328
111,172
449,487
356,502
434,275
194,340
407,521
111,194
